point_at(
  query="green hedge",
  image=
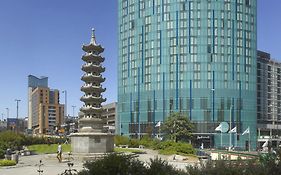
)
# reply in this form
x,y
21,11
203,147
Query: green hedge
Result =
x,y
164,147
7,163
121,140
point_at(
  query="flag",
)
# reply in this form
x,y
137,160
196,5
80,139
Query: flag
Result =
x,y
247,131
158,124
219,128
233,130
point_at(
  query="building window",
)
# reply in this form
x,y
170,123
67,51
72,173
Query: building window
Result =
x,y
248,3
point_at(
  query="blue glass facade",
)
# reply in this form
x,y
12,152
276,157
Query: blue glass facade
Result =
x,y
34,81
197,57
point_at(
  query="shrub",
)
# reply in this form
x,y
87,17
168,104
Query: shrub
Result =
x,y
184,148
10,140
121,140
114,164
224,167
149,142
134,143
165,144
170,147
7,163
29,140
158,166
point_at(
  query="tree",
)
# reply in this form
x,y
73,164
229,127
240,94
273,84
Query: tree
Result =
x,y
177,127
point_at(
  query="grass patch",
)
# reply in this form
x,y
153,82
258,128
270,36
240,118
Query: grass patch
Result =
x,y
48,149
167,152
136,151
7,163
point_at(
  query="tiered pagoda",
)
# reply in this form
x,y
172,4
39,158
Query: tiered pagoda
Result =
x,y
91,120
92,138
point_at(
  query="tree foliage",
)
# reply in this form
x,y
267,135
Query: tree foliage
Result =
x,y
177,127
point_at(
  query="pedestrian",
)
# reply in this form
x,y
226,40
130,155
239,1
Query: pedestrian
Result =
x,y
49,141
59,153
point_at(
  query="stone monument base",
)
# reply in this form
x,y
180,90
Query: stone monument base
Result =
x,y
92,142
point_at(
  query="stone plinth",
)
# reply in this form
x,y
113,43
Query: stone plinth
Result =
x,y
92,142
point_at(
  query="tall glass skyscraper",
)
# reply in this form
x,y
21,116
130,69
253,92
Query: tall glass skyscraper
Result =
x,y
197,57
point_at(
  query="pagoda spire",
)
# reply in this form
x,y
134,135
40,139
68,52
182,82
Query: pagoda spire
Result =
x,y
93,46
93,38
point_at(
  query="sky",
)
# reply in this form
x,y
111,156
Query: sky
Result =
x,y
44,38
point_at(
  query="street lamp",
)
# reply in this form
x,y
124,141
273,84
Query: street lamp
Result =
x,y
65,102
230,127
7,113
213,103
73,109
17,122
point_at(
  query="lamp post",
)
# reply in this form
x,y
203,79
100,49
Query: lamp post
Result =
x,y
273,126
213,103
17,122
73,110
230,127
65,103
7,113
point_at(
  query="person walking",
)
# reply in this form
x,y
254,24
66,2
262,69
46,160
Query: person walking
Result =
x,y
59,152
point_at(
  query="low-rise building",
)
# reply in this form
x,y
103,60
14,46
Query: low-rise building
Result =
x,y
3,125
16,125
109,114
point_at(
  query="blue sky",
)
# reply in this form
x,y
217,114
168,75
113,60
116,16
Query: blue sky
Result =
x,y
44,38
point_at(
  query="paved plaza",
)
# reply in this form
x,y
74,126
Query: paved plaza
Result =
x,y
28,165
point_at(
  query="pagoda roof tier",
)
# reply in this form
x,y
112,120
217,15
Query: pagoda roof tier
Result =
x,y
92,67
92,47
92,57
92,78
91,98
91,110
97,89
